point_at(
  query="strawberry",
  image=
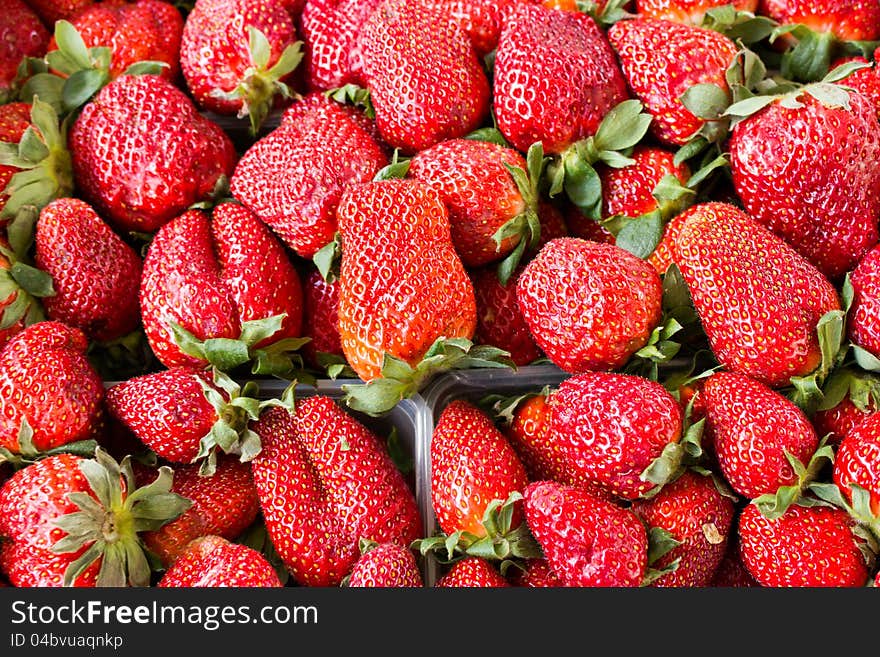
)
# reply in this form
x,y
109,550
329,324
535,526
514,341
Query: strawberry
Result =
x,y
589,306
54,10
293,177
481,19
773,297
75,521
661,60
839,420
144,30
753,428
731,572
529,435
211,561
537,46
330,30
425,80
472,572
538,574
805,547
687,11
142,153
587,541
610,428
855,20
863,327
825,206
325,481
389,565
321,318
224,505
48,386
472,464
237,56
22,34
18,306
15,118
849,397
95,274
629,190
696,515
865,80
214,277
663,254
858,462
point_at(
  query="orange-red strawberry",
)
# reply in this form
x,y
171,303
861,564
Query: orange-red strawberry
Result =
x,y
753,427
325,481
849,397
211,276
555,78
839,420
773,298
611,427
472,572
425,80
47,382
696,514
687,11
858,462
22,34
95,275
587,541
824,204
664,253
661,60
386,565
589,306
529,434
142,153
856,20
212,561
805,547
293,177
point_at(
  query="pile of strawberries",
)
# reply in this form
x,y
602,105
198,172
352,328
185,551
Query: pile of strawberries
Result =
x,y
673,202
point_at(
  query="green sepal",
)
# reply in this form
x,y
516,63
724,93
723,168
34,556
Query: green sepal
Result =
x,y
831,332
352,94
397,168
868,525
492,135
641,235
706,101
327,259
502,408
774,505
20,232
739,26
809,59
335,366
660,543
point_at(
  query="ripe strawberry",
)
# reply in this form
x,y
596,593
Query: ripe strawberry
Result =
x,y
15,118
610,427
213,562
538,574
858,461
564,61
855,20
472,572
228,68
663,59
425,80
75,521
529,434
142,154
849,398
687,11
472,464
839,420
825,206
587,540
589,306
22,34
695,513
664,253
806,546
54,10
224,505
402,286
481,19
211,275
330,30
753,427
326,481
628,191
47,382
293,177
731,572
17,307
144,30
773,297
321,318
389,565
865,80
95,274
863,327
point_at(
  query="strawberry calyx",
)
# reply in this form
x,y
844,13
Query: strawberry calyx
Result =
x,y
25,451
334,366
660,543
21,286
352,94
738,25
502,408
861,388
110,520
261,84
867,527
678,456
807,393
328,258
774,505
606,14
400,380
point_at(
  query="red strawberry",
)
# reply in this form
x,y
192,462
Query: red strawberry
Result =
x,y
731,572
15,118
425,80
529,434
142,154
589,306
538,574
95,274
17,306
293,177
663,59
54,10
839,420
856,20
587,540
228,68
472,464
472,572
772,297
664,253
805,547
611,427
72,521
687,11
224,505
22,34
481,19
555,78
212,275
47,382
321,317
849,398
752,428
144,30
213,562
697,515
865,80
826,205
863,327
628,191
389,565
858,461
326,481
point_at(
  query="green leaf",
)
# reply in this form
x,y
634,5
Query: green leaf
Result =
x,y
146,68
47,87
706,100
660,543
642,235
491,135
81,87
71,44
830,95
254,331
749,106
33,280
583,185
810,58
259,48
624,126
865,359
